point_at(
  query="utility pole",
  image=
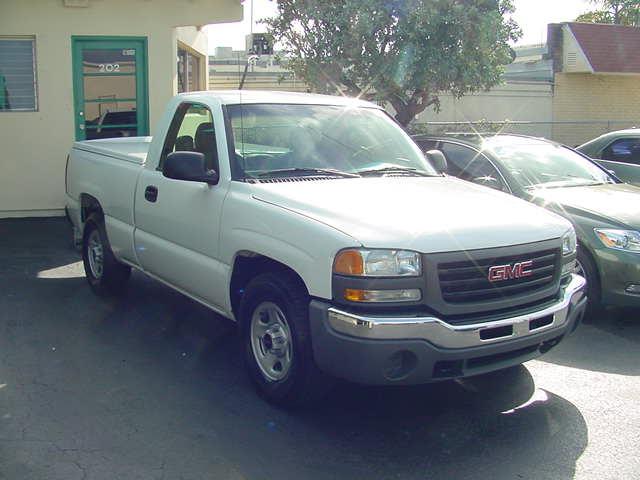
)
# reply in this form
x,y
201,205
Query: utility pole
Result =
x,y
251,18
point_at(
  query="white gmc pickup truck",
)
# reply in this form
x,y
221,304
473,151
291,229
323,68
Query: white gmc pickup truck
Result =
x,y
318,225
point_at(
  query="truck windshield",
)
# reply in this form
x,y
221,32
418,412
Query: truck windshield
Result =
x,y
544,165
292,140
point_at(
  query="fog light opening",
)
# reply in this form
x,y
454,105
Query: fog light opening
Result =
x,y
400,364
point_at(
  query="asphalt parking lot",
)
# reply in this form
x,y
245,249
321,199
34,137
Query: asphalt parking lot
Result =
x,y
151,386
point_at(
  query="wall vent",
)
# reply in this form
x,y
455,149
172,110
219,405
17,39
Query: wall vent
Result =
x,y
572,59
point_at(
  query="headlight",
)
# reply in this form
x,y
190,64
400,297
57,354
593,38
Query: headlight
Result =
x,y
628,240
569,242
378,263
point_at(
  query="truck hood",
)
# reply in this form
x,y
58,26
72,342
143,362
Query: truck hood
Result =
x,y
612,202
429,215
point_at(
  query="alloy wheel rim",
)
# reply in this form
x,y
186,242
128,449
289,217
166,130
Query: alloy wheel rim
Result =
x,y
95,254
271,341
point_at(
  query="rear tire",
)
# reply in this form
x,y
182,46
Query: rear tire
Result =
x,y
586,267
274,318
106,275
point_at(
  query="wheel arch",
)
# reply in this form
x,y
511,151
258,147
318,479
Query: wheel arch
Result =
x,y
584,247
89,205
247,265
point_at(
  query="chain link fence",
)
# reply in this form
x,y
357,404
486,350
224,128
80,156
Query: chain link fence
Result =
x,y
571,133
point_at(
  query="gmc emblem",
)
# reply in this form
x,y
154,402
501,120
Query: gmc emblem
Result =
x,y
498,273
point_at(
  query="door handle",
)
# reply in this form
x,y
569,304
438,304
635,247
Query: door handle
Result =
x,y
151,193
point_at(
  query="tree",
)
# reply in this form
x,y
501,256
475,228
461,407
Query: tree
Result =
x,y
405,52
619,12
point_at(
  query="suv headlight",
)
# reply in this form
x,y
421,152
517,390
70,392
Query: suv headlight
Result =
x,y
377,263
569,242
628,240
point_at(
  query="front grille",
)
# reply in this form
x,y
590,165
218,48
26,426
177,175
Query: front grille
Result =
x,y
466,281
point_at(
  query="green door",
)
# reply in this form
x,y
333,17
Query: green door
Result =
x,y
110,87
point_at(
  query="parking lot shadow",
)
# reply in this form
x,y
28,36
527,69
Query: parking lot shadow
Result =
x,y
610,344
493,426
151,385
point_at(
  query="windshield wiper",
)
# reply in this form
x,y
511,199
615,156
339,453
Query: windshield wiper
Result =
x,y
308,171
563,184
383,170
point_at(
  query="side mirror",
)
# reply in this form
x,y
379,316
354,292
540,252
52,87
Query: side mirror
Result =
x,y
188,166
437,159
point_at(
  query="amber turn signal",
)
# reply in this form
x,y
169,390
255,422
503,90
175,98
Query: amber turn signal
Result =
x,y
349,262
389,296
354,295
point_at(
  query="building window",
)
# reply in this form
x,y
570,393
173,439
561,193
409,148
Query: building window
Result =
x,y
17,74
189,71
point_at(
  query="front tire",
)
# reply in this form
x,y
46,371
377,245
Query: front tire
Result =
x,y
105,274
276,337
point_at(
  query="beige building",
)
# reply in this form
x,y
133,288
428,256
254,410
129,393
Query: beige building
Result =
x,y
266,72
597,79
81,69
583,83
524,107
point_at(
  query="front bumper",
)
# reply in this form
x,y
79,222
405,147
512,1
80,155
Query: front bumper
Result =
x,y
410,350
618,270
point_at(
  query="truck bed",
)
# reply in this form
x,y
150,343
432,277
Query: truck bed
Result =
x,y
129,149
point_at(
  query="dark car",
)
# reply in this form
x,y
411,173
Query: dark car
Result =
x,y
604,210
618,151
113,124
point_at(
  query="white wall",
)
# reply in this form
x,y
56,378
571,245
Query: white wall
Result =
x,y
529,102
35,144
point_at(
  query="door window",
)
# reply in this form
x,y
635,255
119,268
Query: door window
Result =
x,y
109,87
192,130
426,145
188,71
109,83
469,164
624,150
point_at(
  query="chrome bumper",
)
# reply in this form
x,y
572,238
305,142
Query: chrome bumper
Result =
x,y
442,334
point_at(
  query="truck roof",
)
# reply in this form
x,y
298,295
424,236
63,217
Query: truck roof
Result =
x,y
234,97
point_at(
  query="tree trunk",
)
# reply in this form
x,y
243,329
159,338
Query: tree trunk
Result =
x,y
404,117
617,7
407,111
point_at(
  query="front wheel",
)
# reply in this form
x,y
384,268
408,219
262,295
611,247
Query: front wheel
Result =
x,y
105,274
274,317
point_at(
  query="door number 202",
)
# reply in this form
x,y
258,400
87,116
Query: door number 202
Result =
x,y
109,67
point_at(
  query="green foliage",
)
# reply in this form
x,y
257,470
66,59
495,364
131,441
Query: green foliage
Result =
x,y
621,12
406,52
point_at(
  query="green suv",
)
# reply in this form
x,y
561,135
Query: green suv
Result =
x,y
604,210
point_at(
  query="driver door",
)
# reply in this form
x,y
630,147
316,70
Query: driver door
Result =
x,y
177,221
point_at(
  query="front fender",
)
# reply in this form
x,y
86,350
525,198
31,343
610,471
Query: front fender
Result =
x,y
305,245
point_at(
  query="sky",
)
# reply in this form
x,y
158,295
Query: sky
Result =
x,y
532,16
